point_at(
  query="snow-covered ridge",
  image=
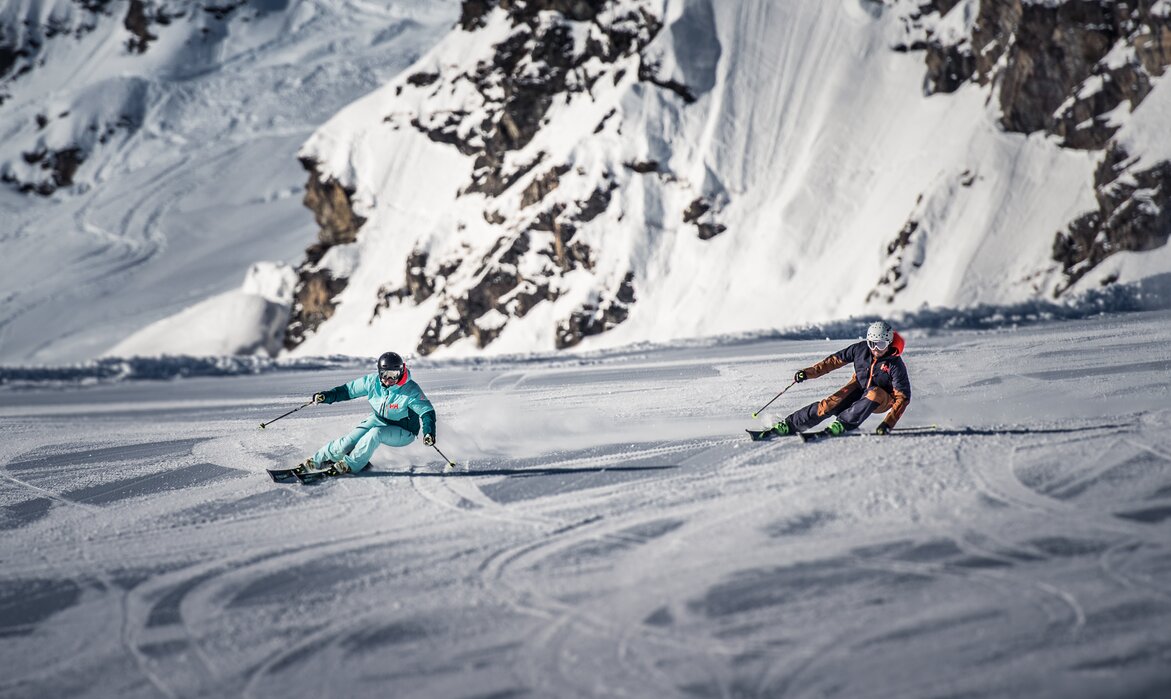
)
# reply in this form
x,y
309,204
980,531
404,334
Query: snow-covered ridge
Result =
x,y
562,174
537,203
76,111
114,369
533,182
1151,294
148,152
1076,70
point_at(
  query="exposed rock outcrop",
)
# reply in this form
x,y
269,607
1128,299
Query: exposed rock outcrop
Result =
x,y
906,252
53,161
1134,214
314,297
46,167
544,58
702,214
57,170
23,43
497,291
1058,67
597,317
537,62
1065,68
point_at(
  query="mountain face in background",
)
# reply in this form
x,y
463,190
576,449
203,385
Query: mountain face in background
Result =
x,y
148,162
490,112
1073,70
519,176
554,170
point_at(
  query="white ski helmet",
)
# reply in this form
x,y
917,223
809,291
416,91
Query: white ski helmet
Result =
x,y
879,335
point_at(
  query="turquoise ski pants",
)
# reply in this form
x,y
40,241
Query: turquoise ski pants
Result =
x,y
356,447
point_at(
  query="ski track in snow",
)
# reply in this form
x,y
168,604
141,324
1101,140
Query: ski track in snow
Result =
x,y
609,530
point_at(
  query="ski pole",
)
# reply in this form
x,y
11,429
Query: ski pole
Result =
x,y
450,463
266,424
774,398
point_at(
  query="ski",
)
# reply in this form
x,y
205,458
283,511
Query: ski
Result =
x,y
761,435
315,475
908,431
283,475
299,474
814,436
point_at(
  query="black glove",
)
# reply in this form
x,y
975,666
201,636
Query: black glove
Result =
x,y
318,397
429,440
882,428
799,376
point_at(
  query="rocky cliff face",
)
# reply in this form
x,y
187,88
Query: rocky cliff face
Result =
x,y
46,165
1058,67
1072,69
528,218
1134,214
313,298
550,53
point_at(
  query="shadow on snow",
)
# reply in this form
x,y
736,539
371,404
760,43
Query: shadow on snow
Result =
x,y
511,472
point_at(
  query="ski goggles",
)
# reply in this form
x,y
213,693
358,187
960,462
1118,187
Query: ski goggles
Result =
x,y
391,375
878,345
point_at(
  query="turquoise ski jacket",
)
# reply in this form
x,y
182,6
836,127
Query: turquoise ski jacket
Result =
x,y
403,404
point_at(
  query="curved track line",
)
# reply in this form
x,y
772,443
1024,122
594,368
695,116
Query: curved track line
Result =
x,y
140,660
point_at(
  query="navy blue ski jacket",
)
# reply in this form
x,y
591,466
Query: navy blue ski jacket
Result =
x,y
887,372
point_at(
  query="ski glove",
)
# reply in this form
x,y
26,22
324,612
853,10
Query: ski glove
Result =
x,y
318,397
429,440
799,376
882,428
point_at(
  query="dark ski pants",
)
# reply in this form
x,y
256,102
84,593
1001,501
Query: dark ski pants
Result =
x,y
850,404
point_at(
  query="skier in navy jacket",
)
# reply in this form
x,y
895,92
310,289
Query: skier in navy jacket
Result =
x,y
880,385
399,407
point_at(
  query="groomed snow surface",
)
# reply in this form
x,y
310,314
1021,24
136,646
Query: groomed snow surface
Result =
x,y
610,530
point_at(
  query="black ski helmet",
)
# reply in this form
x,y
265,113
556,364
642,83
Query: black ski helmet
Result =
x,y
390,366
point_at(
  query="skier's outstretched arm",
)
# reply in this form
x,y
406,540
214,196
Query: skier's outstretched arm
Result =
x,y
347,391
834,361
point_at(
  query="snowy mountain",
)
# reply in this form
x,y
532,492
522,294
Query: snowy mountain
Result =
x,y
556,172
148,161
527,176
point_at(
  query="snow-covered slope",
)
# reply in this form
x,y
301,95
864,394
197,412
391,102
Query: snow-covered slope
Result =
x,y
611,532
147,159
655,169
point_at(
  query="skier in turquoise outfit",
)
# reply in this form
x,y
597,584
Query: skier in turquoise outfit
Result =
x,y
400,409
